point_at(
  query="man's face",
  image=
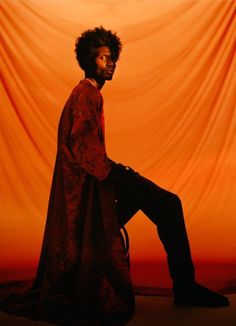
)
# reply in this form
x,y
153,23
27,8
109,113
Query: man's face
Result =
x,y
105,64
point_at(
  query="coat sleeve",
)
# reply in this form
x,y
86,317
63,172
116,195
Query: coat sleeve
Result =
x,y
86,144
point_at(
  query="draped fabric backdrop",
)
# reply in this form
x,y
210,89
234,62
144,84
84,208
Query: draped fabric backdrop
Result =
x,y
170,115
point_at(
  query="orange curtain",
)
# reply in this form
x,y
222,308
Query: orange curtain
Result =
x,y
170,115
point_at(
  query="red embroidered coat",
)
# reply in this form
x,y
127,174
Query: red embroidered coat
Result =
x,y
82,263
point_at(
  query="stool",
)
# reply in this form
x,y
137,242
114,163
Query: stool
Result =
x,y
125,241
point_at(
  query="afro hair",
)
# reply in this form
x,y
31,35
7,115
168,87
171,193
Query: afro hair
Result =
x,y
86,46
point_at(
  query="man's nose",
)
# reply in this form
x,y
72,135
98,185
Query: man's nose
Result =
x,y
111,63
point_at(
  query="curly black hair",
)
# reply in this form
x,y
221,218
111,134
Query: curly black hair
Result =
x,y
86,46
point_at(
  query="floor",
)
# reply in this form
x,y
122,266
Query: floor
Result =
x,y
158,311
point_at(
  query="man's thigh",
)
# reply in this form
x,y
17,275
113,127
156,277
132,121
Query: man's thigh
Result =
x,y
135,192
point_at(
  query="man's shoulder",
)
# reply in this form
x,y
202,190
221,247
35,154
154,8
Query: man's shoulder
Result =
x,y
87,94
84,94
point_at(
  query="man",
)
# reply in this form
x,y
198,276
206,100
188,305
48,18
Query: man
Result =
x,y
134,192
83,268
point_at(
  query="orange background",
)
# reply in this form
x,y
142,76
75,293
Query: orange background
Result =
x,y
170,115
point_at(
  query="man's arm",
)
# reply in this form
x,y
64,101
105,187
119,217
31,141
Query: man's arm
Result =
x,y
85,143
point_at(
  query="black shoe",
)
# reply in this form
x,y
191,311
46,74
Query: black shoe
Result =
x,y
197,295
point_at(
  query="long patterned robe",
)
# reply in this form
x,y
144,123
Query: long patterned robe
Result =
x,y
83,272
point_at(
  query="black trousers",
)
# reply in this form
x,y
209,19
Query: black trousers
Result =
x,y
133,193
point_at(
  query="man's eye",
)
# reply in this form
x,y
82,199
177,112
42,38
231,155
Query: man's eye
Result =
x,y
104,57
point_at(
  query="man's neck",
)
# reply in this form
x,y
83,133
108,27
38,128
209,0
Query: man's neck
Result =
x,y
95,82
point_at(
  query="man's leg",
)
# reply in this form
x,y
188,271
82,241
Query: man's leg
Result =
x,y
164,208
165,211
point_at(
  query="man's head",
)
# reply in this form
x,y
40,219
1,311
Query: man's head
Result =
x,y
97,51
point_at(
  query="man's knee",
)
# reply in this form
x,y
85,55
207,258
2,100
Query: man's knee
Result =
x,y
174,202
175,198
